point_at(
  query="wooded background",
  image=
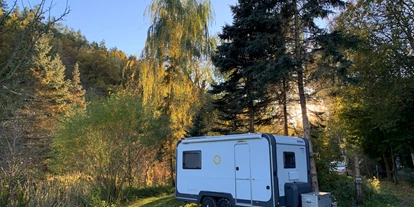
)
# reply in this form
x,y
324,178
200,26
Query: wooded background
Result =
x,y
79,117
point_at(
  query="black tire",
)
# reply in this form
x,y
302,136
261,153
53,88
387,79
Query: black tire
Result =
x,y
223,203
209,202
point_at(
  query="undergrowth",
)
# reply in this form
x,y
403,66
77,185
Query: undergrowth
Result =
x,y
343,188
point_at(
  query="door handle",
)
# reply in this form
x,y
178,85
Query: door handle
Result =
x,y
237,168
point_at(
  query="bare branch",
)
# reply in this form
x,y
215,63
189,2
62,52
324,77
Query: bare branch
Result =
x,y
30,35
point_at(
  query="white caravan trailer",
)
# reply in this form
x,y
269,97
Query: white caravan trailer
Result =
x,y
243,170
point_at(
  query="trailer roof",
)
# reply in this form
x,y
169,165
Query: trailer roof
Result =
x,y
278,139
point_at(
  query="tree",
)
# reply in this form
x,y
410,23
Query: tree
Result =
x,y
101,70
300,18
250,58
175,60
68,43
50,100
76,91
379,112
114,139
20,31
204,119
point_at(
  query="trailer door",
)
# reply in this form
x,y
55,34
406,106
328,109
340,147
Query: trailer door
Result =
x,y
242,171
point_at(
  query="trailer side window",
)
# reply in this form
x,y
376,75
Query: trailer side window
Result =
x,y
192,159
289,159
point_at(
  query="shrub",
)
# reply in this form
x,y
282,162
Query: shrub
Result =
x,y
344,189
110,143
407,174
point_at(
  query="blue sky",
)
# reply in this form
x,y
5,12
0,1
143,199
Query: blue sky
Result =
x,y
120,23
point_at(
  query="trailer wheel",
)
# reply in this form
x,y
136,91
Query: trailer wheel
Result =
x,y
209,202
224,202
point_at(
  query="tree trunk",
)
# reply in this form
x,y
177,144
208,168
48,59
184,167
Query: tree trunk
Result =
x,y
302,98
394,167
358,180
284,102
387,165
172,172
412,157
251,118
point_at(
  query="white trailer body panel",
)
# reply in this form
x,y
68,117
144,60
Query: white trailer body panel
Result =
x,y
295,172
247,169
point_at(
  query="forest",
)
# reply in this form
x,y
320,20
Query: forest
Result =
x,y
86,125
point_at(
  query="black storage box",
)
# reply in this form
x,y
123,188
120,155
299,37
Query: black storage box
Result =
x,y
293,192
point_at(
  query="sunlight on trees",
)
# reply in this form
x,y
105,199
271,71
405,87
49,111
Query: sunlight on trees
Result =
x,y
83,124
110,143
175,62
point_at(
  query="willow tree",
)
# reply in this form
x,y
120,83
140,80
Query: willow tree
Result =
x,y
175,62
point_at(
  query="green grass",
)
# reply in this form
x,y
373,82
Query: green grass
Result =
x,y
390,195
165,200
161,201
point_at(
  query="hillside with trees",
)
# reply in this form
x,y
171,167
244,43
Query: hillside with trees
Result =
x,y
86,125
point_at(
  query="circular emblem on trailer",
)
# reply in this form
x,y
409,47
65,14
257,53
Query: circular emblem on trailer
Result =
x,y
217,159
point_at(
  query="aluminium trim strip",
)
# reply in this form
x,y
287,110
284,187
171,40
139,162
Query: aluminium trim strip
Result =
x,y
193,199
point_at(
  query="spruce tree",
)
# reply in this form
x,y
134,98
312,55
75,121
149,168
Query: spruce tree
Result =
x,y
76,91
249,58
51,100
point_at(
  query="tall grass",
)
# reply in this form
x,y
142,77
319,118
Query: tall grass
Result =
x,y
70,191
58,191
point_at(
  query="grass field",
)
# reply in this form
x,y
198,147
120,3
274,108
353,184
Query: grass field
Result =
x,y
403,192
161,201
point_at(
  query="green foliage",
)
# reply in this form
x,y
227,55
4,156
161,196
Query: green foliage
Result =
x,y
198,127
379,104
19,32
204,119
249,59
407,175
179,31
101,69
112,139
343,189
76,91
341,186
175,68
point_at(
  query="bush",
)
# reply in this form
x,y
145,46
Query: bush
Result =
x,y
407,174
343,189
111,144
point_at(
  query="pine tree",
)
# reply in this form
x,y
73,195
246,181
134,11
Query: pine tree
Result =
x,y
250,57
76,91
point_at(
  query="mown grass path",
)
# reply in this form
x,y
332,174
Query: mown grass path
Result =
x,y
161,201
